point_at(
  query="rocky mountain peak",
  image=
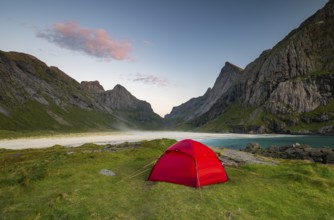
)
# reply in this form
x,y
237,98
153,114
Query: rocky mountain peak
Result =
x,y
197,106
120,88
226,76
120,98
231,67
92,86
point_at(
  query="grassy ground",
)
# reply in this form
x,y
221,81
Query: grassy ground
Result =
x,y
64,183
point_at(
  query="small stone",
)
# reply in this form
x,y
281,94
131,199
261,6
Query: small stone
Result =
x,y
107,172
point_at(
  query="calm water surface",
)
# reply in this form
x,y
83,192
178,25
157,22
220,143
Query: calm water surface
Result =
x,y
267,141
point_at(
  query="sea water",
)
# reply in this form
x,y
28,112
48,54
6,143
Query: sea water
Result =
x,y
267,141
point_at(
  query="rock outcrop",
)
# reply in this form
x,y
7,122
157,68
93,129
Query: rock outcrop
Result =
x,y
234,158
92,86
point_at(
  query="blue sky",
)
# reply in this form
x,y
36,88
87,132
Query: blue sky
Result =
x,y
163,51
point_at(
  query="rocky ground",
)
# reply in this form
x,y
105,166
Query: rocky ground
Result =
x,y
235,158
294,151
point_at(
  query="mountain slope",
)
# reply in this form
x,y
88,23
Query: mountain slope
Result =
x,y
289,88
34,96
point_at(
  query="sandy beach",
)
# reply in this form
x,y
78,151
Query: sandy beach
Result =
x,y
107,138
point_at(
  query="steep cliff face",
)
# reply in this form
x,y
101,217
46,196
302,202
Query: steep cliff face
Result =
x,y
283,86
297,96
305,52
34,96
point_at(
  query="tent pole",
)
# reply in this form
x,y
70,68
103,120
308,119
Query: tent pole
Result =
x,y
198,183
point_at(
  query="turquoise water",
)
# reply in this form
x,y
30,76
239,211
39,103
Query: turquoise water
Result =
x,y
267,141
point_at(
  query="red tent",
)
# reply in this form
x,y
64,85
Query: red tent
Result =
x,y
189,163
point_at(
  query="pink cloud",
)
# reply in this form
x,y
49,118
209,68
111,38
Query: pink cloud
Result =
x,y
94,42
148,79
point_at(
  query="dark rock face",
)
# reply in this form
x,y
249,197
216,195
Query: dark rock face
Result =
x,y
294,151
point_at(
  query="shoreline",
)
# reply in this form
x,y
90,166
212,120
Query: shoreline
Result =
x,y
74,140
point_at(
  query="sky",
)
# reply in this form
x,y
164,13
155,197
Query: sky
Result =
x,y
162,51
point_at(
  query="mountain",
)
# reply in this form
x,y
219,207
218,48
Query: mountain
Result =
x,y
287,89
200,105
34,96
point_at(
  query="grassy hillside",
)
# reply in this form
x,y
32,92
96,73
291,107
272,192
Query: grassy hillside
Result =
x,y
64,183
33,118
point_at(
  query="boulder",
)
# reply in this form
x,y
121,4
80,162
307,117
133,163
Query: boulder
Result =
x,y
253,148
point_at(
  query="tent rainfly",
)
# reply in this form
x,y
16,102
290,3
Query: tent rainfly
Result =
x,y
189,163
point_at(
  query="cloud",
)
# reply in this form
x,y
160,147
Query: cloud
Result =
x,y
94,42
148,79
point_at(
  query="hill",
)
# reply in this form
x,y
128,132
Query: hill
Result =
x,y
35,97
